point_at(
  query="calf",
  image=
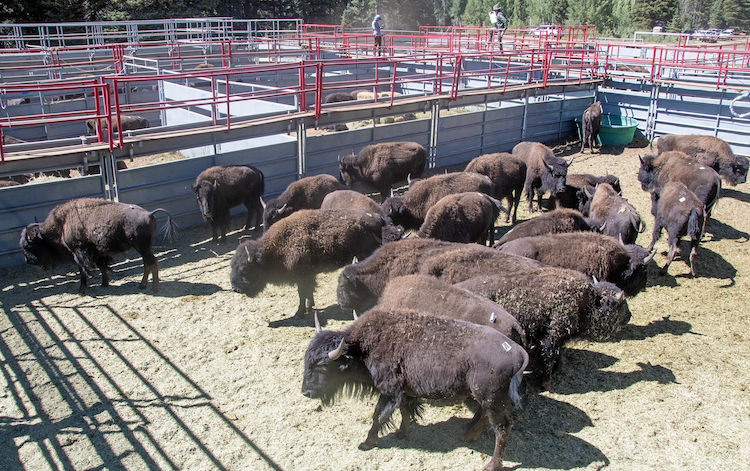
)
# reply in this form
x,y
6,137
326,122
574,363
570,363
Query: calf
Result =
x,y
680,212
508,175
709,151
306,243
128,123
544,171
411,208
88,231
614,215
361,284
431,296
573,195
554,305
590,124
402,356
553,222
379,166
305,193
590,253
218,189
677,166
462,217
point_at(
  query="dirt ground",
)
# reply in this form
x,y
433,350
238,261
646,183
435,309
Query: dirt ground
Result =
x,y
199,377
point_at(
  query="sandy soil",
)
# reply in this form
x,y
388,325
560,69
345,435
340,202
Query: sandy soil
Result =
x,y
198,377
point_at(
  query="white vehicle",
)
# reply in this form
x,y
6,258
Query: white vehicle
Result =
x,y
727,33
549,31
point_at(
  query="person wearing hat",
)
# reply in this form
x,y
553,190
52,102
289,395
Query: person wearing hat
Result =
x,y
499,24
378,36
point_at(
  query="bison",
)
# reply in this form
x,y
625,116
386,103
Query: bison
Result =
x,y
379,166
677,166
305,193
128,123
508,175
88,231
337,97
709,151
410,209
554,305
361,284
590,124
348,199
218,189
590,253
306,243
402,356
544,171
462,217
429,295
614,215
680,212
573,195
553,222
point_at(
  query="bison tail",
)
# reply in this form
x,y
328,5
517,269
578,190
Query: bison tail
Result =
x,y
515,382
695,225
168,231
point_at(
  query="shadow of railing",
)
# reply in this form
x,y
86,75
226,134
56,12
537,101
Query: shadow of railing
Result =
x,y
65,377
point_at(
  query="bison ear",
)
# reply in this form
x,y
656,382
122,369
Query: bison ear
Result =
x,y
194,187
33,231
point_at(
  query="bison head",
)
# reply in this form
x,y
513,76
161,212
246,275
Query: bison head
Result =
x,y
634,278
247,269
352,294
553,180
36,249
274,212
610,312
647,172
206,194
739,170
325,367
347,170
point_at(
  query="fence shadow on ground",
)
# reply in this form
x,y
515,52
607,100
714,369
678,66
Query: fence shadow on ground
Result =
x,y
65,378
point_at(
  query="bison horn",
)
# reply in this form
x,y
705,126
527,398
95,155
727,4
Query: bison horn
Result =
x,y
595,280
391,192
570,162
282,208
354,313
649,257
408,179
336,354
640,158
619,238
216,184
407,235
249,257
339,158
263,204
317,322
619,296
354,260
601,229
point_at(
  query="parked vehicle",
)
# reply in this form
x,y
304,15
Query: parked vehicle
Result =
x,y
550,31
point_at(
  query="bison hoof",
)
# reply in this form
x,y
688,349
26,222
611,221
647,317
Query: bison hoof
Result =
x,y
364,446
142,285
400,434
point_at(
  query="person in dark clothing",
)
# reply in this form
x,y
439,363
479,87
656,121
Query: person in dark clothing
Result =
x,y
499,24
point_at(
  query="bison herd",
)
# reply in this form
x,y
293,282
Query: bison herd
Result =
x,y
443,316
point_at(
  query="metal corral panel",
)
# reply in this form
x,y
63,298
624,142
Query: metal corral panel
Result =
x,y
417,130
459,138
322,152
631,103
25,204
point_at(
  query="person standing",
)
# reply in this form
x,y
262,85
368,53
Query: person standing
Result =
x,y
377,34
499,24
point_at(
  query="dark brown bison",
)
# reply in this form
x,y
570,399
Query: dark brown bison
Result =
x,y
677,166
218,189
306,243
590,124
554,305
573,195
337,97
680,212
349,199
305,193
128,123
508,175
709,151
428,295
462,217
379,166
361,284
553,222
544,171
614,215
590,253
88,231
402,356
410,209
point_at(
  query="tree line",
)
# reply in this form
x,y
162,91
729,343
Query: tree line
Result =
x,y
611,17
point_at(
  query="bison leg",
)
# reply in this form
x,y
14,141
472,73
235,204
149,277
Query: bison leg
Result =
x,y
102,264
477,425
306,289
693,250
150,266
383,411
655,236
550,353
502,426
516,202
215,232
670,256
408,412
81,259
529,191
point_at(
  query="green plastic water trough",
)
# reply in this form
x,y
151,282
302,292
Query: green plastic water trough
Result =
x,y
614,131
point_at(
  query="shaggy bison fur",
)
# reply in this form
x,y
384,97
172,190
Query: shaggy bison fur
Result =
x,y
590,124
218,189
305,193
348,199
573,195
554,305
544,171
306,243
508,175
709,151
553,222
614,215
88,231
462,217
128,123
402,356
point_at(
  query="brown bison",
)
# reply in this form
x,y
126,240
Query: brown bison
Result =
x,y
379,166
305,193
402,356
545,172
709,151
614,215
462,217
88,231
573,195
348,199
590,124
128,123
218,189
508,175
553,222
306,243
